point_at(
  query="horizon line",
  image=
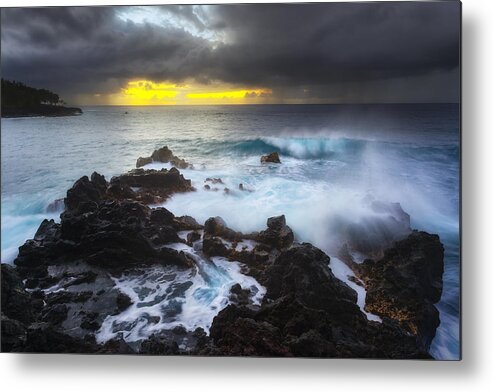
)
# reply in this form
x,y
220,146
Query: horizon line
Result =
x,y
279,104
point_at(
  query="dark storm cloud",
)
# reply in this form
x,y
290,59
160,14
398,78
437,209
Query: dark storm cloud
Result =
x,y
395,51
91,49
339,42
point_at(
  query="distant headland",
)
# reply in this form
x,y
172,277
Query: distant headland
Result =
x,y
19,100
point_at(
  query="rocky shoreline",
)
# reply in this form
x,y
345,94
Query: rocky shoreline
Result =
x,y
63,289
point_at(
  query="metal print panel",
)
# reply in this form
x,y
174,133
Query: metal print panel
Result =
x,y
273,180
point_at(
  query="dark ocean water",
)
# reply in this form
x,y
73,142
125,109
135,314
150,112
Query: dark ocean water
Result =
x,y
334,157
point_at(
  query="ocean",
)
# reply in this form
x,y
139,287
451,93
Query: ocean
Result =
x,y
334,157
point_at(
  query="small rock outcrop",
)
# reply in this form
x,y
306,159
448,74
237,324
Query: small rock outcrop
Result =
x,y
277,234
217,227
146,186
214,180
152,186
242,188
163,155
215,230
86,192
273,157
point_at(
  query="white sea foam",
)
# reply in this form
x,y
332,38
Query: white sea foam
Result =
x,y
317,211
309,147
157,166
179,246
166,297
17,229
183,234
343,273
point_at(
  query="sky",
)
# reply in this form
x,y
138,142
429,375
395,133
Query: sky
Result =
x,y
237,54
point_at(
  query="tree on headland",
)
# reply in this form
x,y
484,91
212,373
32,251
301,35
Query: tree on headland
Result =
x,y
17,94
20,100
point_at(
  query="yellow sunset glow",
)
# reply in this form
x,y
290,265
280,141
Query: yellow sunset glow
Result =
x,y
151,93
144,92
238,94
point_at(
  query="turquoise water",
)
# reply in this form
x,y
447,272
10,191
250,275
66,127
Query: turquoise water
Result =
x,y
333,157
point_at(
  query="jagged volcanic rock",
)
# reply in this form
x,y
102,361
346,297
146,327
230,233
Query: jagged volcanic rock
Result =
x,y
277,234
306,312
151,186
164,155
273,157
217,227
108,232
405,284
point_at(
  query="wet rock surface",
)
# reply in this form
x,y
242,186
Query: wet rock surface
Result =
x,y
150,186
17,304
307,312
218,227
273,157
405,284
105,231
277,234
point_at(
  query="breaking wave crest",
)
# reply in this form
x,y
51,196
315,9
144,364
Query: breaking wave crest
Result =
x,y
296,147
